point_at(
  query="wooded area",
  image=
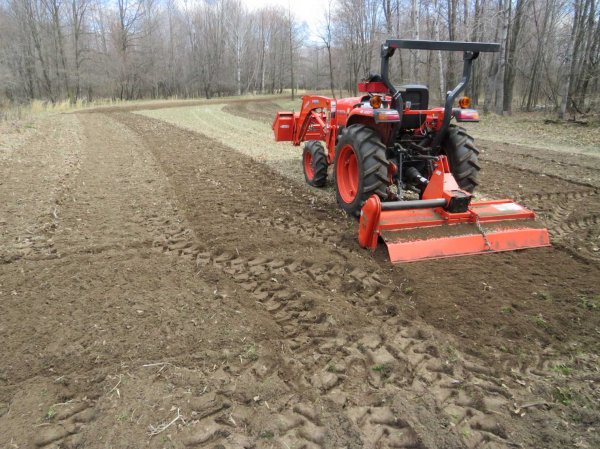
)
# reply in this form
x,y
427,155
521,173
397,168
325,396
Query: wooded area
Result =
x,y
130,49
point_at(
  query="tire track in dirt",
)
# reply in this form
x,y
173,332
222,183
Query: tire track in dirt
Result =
x,y
572,218
557,210
35,239
70,320
347,362
258,275
338,363
562,218
549,161
345,365
280,220
68,420
261,111
501,164
525,185
552,197
568,208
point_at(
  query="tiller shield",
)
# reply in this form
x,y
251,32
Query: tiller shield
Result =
x,y
445,223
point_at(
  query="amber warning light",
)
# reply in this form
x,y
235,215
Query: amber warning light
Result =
x,y
375,101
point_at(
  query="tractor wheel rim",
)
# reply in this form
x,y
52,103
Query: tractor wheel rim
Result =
x,y
310,174
347,174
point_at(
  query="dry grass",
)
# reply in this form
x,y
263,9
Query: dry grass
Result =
x,y
16,112
531,129
254,137
247,136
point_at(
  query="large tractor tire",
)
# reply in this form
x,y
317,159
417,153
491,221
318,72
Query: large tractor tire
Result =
x,y
360,168
314,162
462,157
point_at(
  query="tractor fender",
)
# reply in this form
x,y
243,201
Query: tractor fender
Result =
x,y
360,115
345,107
364,116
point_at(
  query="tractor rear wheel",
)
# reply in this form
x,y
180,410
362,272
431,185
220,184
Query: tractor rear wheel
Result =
x,y
360,168
462,157
314,162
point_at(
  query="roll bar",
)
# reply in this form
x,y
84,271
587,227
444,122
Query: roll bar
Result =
x,y
442,45
470,51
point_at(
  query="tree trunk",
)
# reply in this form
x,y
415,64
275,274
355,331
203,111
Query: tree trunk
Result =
x,y
569,63
55,12
290,29
436,31
474,86
589,53
490,84
499,82
415,15
532,91
452,7
511,59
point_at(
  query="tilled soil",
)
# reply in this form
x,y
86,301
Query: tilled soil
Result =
x,y
159,288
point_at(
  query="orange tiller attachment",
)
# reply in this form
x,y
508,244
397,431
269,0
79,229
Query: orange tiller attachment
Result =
x,y
445,223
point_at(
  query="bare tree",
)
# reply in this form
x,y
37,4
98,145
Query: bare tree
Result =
x,y
326,35
291,40
504,8
81,49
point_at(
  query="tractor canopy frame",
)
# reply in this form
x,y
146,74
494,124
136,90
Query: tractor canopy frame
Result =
x,y
470,51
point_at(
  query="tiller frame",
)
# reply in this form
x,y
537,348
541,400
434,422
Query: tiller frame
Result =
x,y
444,204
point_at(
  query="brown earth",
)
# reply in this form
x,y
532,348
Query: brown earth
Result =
x,y
153,294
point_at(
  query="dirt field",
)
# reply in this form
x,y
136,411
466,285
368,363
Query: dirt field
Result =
x,y
163,284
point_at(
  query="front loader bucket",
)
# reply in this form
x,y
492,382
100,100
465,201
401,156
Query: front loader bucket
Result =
x,y
414,231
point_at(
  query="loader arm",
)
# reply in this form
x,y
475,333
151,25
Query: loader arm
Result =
x,y
317,121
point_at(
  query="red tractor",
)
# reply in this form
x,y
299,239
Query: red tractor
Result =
x,y
386,143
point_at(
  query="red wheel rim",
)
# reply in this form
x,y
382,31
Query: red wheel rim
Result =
x,y
310,174
346,174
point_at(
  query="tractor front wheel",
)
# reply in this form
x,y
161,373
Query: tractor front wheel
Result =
x,y
314,163
462,157
360,168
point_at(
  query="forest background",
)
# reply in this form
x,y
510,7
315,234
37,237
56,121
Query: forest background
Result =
x,y
78,51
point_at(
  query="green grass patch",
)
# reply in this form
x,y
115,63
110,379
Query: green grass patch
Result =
x,y
562,369
564,395
540,321
544,296
250,353
384,370
506,310
590,303
51,412
266,434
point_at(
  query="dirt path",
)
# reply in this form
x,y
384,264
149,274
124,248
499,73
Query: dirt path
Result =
x,y
178,299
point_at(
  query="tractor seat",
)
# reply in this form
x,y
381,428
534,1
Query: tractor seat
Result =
x,y
417,94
